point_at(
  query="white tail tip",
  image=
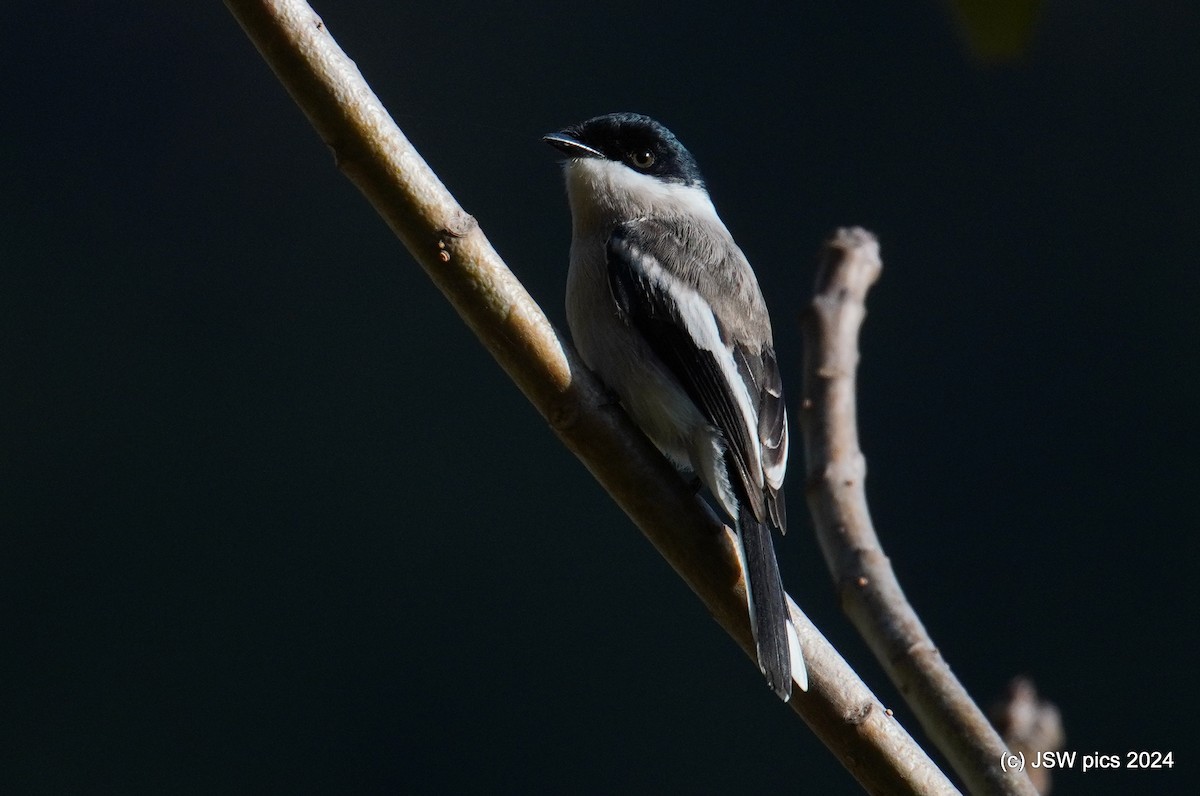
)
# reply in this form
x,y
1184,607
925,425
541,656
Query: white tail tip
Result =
x,y
799,670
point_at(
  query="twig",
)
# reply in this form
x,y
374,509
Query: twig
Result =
x,y
836,471
449,245
1029,725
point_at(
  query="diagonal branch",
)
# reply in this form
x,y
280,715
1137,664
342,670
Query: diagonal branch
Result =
x,y
449,245
836,471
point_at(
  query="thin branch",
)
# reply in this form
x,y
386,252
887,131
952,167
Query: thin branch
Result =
x,y
1029,725
870,593
449,245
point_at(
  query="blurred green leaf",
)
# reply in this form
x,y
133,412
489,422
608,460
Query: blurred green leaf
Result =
x,y
997,31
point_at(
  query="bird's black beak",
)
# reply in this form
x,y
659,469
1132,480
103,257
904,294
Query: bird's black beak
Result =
x,y
564,141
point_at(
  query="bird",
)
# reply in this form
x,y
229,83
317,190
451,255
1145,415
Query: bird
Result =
x,y
664,307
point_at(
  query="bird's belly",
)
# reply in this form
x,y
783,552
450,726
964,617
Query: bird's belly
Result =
x,y
624,362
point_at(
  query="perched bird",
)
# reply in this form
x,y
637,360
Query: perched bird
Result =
x,y
664,307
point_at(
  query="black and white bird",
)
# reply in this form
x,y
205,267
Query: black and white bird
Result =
x,y
665,308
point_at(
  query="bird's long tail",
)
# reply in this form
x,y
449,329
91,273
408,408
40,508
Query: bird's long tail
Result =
x,y
775,639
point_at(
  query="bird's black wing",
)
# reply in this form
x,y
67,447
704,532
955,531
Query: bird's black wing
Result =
x,y
760,371
649,278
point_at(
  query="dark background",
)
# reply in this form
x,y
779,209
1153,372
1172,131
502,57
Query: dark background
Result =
x,y
273,521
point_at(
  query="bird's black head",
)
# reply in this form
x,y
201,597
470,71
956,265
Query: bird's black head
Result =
x,y
638,141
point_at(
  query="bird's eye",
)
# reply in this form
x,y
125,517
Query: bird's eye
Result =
x,y
643,159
